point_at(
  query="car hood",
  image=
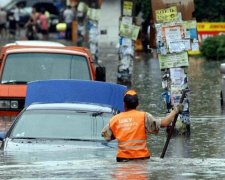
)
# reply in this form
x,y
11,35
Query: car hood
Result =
x,y
56,150
28,145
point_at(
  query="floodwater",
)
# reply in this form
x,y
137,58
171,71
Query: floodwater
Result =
x,y
200,156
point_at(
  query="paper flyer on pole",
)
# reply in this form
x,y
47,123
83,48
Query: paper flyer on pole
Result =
x,y
173,60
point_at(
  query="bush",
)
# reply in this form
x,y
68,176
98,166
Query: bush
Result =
x,y
213,48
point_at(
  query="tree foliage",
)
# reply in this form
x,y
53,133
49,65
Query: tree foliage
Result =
x,y
213,48
210,10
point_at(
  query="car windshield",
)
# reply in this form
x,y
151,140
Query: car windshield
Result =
x,y
25,67
60,124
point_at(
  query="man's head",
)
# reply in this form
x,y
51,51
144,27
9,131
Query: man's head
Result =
x,y
130,99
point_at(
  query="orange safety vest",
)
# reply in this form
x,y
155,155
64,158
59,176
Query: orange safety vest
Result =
x,y
129,129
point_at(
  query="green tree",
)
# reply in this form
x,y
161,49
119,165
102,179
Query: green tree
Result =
x,y
210,10
213,48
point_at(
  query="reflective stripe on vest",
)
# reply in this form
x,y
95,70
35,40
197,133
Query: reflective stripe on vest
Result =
x,y
132,144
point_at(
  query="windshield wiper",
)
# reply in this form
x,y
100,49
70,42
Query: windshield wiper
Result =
x,y
24,138
97,114
63,139
14,82
89,140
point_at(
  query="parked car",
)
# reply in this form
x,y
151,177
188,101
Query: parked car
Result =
x,y
26,9
26,61
222,94
56,122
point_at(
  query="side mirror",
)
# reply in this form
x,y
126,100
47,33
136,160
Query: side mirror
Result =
x,y
222,68
100,73
2,136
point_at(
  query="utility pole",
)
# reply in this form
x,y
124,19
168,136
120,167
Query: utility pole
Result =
x,y
126,49
93,29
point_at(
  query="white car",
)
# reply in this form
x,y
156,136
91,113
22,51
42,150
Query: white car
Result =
x,y
222,95
62,115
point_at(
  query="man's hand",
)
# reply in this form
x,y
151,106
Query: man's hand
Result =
x,y
107,133
179,108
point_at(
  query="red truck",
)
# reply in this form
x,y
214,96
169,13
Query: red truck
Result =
x,y
25,61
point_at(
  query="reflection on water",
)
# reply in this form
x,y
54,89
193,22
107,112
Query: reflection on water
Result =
x,y
200,156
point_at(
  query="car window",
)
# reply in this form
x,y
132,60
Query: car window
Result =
x,y
60,124
43,66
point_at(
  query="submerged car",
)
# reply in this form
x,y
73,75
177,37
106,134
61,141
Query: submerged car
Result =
x,y
70,115
222,94
57,125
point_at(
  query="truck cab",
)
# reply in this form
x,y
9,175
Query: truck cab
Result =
x,y
25,61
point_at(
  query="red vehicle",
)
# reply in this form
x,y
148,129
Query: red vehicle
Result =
x,y
25,61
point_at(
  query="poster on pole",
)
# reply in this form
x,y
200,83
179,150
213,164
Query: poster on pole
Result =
x,y
166,15
173,60
127,8
127,29
93,14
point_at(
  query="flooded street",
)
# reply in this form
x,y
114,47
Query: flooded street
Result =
x,y
201,156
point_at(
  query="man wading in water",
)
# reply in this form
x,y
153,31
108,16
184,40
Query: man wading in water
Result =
x,y
130,128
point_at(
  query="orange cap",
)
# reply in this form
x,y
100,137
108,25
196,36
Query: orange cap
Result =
x,y
131,92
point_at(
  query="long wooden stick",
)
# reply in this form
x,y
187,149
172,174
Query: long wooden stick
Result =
x,y
172,127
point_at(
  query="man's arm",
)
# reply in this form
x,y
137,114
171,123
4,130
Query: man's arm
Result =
x,y
152,124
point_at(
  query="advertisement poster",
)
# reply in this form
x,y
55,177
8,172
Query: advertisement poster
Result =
x,y
127,8
129,31
166,15
173,60
209,29
190,29
93,14
172,33
177,76
179,46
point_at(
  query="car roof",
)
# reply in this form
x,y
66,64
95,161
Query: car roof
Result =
x,y
84,107
36,43
68,90
43,46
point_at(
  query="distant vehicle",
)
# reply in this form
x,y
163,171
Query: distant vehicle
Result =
x,y
26,9
26,61
57,122
222,94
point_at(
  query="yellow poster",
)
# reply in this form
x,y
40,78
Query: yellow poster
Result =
x,y
129,31
127,8
166,15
